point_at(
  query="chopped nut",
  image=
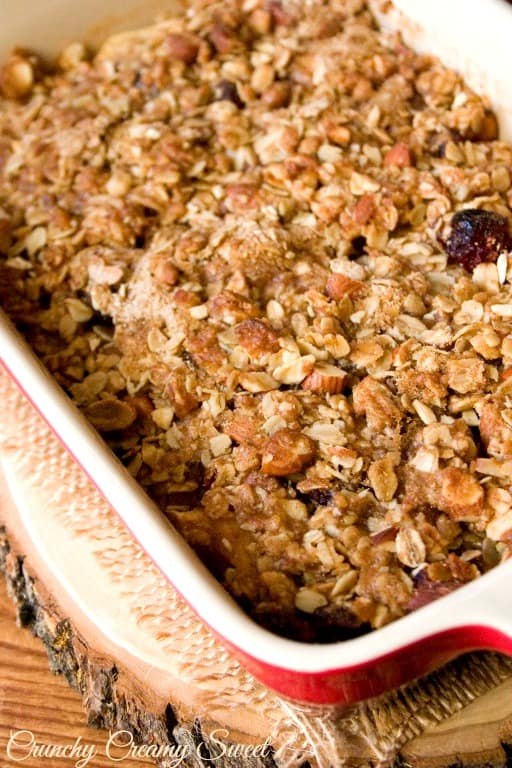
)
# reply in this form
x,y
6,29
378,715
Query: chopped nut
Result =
x,y
182,48
119,184
163,417
257,337
287,452
200,312
183,401
338,286
495,433
364,209
399,155
325,378
339,134
224,38
461,494
373,400
166,273
426,460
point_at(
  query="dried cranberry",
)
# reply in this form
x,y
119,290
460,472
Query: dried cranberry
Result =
x,y
477,236
426,591
227,91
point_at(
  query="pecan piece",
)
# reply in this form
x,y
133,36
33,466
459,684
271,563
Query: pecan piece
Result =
x,y
205,349
231,308
183,401
373,400
281,14
257,337
461,495
495,433
287,452
184,298
243,429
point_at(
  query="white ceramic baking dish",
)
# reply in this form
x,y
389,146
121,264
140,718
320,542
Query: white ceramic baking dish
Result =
x,y
478,615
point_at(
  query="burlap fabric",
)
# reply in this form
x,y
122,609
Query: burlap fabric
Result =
x,y
374,731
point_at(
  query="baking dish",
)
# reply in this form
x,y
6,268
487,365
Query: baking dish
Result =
x,y
476,616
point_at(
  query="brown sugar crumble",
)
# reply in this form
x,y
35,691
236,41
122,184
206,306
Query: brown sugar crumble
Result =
x,y
229,237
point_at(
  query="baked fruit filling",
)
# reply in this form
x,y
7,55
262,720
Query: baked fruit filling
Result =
x,y
265,248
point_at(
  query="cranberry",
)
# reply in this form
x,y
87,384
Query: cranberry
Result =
x,y
426,591
477,236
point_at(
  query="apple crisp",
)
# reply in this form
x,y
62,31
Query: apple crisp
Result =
x,y
265,248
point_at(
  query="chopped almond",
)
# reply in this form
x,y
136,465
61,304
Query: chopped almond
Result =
x,y
364,208
182,48
338,286
325,378
399,155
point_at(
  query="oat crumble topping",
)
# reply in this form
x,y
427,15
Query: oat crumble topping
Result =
x,y
225,235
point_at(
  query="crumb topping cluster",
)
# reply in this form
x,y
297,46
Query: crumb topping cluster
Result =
x,y
229,237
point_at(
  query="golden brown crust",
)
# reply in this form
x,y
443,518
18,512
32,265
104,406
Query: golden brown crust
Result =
x,y
224,236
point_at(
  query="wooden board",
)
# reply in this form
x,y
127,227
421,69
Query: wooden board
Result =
x,y
33,699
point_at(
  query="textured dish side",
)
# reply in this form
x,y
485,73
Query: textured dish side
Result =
x,y
256,201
